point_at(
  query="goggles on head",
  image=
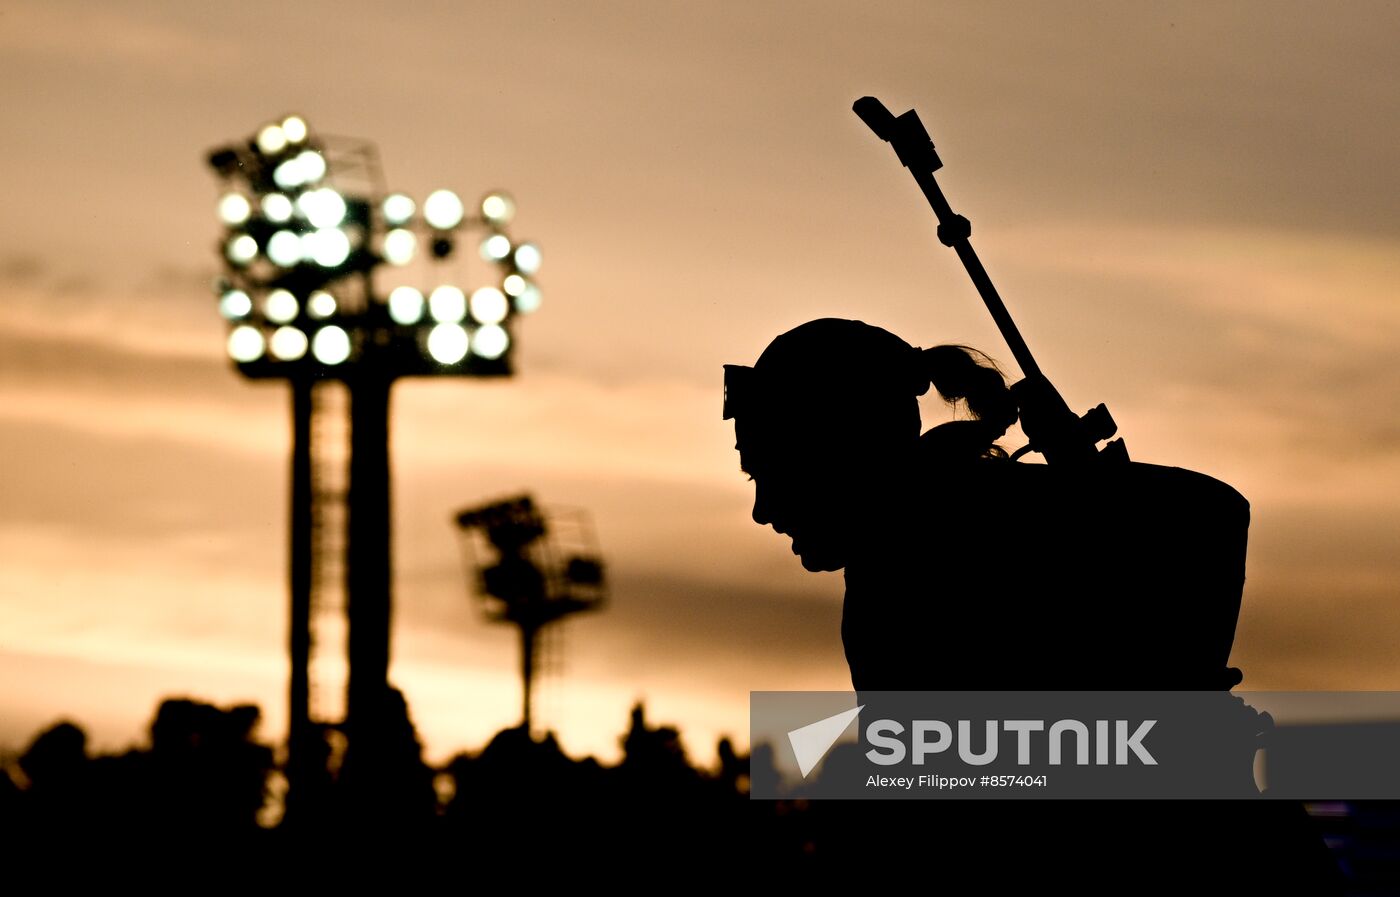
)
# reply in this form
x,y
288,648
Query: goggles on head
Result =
x,y
738,388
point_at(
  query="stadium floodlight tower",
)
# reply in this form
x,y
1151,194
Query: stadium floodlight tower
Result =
x,y
308,230
531,569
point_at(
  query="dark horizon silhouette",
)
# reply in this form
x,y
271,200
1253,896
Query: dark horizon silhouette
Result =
x,y
203,773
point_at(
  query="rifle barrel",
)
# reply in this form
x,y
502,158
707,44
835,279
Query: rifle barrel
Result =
x,y
962,245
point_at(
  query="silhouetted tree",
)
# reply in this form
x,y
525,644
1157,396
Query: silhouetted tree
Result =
x,y
384,784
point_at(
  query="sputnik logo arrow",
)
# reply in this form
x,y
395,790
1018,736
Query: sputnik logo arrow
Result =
x,y
811,742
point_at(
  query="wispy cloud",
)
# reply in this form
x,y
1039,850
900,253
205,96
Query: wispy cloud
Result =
x,y
84,34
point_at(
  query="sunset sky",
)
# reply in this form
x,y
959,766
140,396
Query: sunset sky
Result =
x,y
1191,209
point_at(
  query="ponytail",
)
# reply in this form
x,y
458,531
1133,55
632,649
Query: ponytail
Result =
x,y
851,388
959,372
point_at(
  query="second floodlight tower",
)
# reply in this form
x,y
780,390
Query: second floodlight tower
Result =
x,y
301,247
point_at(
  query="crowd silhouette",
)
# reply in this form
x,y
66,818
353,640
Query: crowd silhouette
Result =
x,y
204,777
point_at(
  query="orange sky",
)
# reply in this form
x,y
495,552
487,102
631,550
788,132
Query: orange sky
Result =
x,y
1189,208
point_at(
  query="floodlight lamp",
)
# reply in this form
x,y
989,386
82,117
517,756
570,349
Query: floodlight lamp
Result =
x,y
528,300
527,258
442,210
495,248
234,209
398,209
447,343
329,247
323,207
277,208
235,304
489,305
399,244
497,207
294,128
272,140
284,248
280,306
241,249
331,345
245,344
288,344
320,304
313,166
405,305
514,284
447,305
490,341
288,174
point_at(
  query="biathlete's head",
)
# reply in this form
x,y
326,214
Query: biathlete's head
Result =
x,y
827,425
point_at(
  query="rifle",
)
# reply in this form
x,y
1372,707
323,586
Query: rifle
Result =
x,y
1050,426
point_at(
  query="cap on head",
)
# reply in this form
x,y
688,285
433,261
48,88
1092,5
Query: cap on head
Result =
x,y
824,366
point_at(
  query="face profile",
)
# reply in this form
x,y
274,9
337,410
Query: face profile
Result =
x,y
797,499
821,420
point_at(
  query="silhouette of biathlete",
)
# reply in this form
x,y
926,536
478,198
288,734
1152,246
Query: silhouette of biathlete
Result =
x,y
968,571
1104,576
